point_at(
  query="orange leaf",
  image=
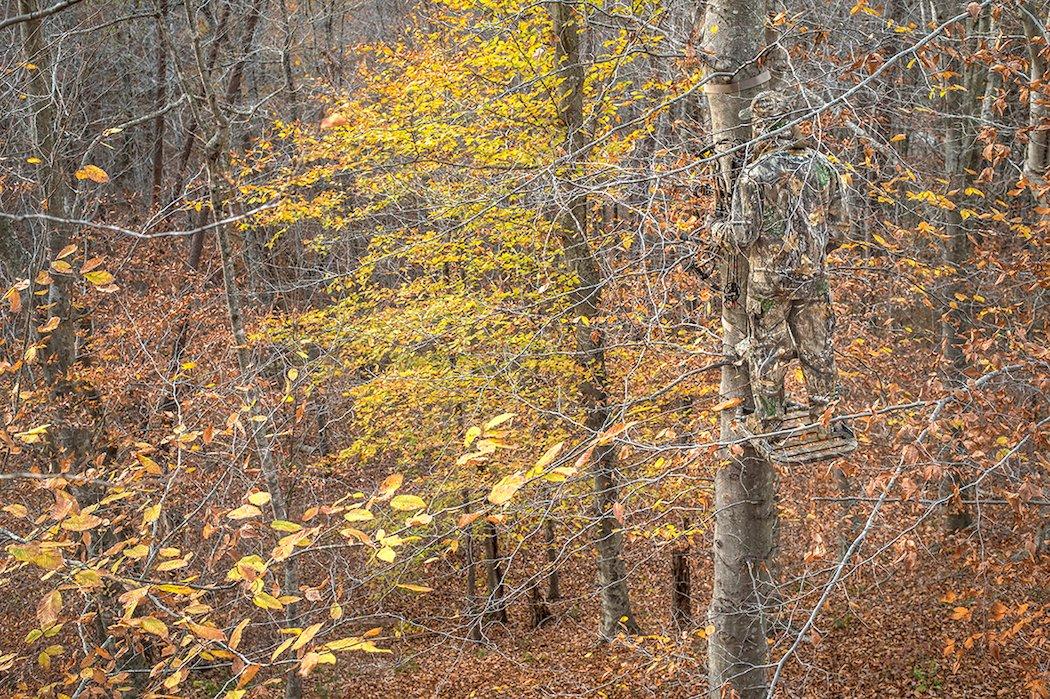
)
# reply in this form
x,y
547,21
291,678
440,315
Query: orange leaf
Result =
x,y
208,633
727,404
93,173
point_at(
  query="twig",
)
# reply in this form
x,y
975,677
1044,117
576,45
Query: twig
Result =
x,y
37,14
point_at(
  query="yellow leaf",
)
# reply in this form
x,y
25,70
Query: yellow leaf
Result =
x,y
137,551
267,601
154,626
548,457
282,648
50,325
151,466
353,643
407,503
99,277
238,631
283,525
419,520
358,515
93,173
33,160
151,514
34,436
244,512
61,267
473,433
88,578
66,251
81,522
559,474
505,489
171,565
306,636
415,588
498,420
260,498
386,554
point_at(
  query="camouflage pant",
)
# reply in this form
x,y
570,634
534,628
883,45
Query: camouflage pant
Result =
x,y
784,329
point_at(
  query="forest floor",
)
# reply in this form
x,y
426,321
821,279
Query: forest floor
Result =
x,y
920,614
929,617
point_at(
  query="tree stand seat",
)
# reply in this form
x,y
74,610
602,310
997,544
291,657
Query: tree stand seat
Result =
x,y
804,442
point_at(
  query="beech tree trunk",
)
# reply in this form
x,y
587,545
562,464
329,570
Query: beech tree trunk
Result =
x,y
61,343
616,613
963,109
745,506
1035,17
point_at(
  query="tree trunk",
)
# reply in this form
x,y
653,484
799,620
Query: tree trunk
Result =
x,y
962,109
495,607
61,344
1037,153
616,614
553,577
473,614
160,94
540,612
258,419
745,507
681,588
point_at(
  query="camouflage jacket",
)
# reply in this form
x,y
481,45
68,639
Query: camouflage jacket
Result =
x,y
788,209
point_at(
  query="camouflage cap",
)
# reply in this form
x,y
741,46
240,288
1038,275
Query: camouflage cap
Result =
x,y
766,105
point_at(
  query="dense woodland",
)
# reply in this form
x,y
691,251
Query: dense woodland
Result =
x,y
375,348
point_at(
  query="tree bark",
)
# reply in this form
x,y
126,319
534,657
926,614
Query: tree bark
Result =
x,y
61,343
681,588
473,615
553,577
1037,152
745,506
616,613
963,108
495,607
160,94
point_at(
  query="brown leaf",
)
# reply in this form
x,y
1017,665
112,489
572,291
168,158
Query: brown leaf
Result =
x,y
48,609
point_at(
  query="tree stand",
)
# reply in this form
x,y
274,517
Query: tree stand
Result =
x,y
798,440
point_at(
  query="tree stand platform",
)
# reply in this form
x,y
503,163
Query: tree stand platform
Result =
x,y
799,441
